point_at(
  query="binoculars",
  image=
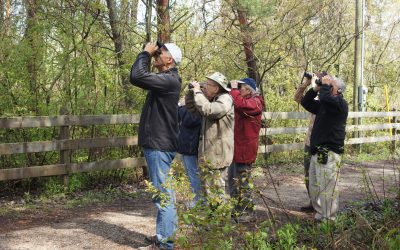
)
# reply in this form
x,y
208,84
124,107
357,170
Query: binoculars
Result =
x,y
159,45
318,81
190,85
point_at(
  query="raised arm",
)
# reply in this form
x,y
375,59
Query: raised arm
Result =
x,y
251,106
142,78
215,109
309,103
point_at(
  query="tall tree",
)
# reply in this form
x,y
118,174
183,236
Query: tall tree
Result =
x,y
115,30
5,16
129,11
115,17
133,12
34,37
252,70
163,21
1,14
149,7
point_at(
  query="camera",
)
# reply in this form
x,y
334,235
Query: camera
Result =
x,y
318,81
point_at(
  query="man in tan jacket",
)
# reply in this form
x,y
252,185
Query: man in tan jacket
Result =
x,y
216,137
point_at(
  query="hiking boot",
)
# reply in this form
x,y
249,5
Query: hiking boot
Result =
x,y
307,209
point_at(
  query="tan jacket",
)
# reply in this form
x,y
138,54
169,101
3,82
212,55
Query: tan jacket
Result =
x,y
216,136
297,98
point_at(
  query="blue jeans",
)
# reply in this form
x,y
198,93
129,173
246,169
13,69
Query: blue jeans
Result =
x,y
159,165
192,170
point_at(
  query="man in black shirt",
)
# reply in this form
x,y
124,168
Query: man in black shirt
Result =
x,y
326,144
158,130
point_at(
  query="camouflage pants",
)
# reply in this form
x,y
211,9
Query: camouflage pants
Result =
x,y
323,187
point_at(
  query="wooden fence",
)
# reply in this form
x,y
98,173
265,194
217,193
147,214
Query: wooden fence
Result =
x,y
65,145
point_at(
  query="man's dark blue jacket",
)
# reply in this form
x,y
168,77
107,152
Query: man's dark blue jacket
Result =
x,y
331,112
189,132
158,128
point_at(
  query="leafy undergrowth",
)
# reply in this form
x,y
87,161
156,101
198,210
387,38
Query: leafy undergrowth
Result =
x,y
361,226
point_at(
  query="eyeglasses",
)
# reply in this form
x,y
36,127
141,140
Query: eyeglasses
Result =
x,y
210,84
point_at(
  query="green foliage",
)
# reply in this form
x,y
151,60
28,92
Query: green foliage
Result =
x,y
259,7
53,186
28,197
287,236
392,239
259,239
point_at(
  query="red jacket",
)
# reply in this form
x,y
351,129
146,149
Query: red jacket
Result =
x,y
248,113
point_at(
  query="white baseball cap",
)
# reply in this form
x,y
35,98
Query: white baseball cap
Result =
x,y
175,52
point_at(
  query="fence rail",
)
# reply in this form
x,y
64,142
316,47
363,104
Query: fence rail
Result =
x,y
66,120
65,145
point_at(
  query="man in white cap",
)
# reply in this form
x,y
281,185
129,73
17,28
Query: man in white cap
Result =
x,y
215,105
158,130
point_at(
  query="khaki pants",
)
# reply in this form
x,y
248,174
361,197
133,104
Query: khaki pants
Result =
x,y
324,191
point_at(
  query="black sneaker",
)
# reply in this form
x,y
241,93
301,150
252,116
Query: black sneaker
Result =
x,y
151,239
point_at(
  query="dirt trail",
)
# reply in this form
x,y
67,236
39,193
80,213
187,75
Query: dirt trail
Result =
x,y
123,224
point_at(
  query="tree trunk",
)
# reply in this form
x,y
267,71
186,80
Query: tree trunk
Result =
x,y
116,34
129,11
8,8
118,47
134,12
35,41
252,70
1,14
163,22
5,17
148,20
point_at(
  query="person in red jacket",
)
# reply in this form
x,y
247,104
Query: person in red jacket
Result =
x,y
249,106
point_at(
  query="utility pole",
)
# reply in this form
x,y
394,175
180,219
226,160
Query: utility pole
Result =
x,y
358,60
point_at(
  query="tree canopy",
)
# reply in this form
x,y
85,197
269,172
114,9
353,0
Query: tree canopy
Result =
x,y
77,54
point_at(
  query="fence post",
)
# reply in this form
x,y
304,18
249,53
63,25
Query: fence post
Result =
x,y
65,154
